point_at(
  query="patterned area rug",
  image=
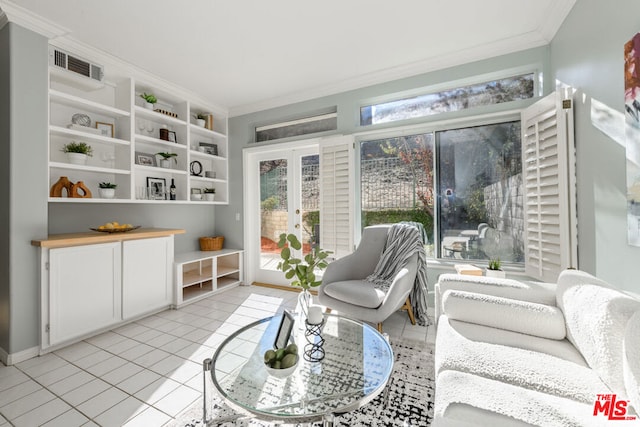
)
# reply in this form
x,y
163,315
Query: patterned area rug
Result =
x,y
407,401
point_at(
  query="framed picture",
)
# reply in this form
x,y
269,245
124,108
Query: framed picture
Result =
x,y
157,188
106,129
172,136
145,159
209,148
284,331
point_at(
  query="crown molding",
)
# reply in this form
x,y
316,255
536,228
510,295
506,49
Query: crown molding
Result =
x,y
31,21
477,53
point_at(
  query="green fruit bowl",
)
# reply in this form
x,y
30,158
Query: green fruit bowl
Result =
x,y
282,373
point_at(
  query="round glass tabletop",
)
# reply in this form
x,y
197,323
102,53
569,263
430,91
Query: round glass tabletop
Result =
x,y
357,365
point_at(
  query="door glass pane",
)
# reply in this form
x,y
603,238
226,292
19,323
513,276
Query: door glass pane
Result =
x,y
273,210
310,195
479,192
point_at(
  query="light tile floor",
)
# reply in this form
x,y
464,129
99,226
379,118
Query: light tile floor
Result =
x,y
144,373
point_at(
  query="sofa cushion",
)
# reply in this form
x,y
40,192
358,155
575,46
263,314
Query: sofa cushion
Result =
x,y
356,292
464,399
519,316
631,361
596,317
516,366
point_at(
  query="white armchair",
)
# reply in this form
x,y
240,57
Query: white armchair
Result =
x,y
345,289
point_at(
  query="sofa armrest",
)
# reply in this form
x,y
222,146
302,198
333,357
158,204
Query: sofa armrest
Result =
x,y
504,313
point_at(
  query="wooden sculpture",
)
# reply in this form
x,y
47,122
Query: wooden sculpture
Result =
x,y
62,184
79,186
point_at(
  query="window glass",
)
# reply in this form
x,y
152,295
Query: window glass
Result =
x,y
461,98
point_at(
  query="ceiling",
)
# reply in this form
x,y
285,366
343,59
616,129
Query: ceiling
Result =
x,y
248,55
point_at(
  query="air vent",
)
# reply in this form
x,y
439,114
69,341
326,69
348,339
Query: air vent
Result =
x,y
75,66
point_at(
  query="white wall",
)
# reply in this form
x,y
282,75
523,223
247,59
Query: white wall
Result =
x,y
587,53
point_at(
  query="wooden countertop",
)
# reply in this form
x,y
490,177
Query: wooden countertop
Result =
x,y
93,237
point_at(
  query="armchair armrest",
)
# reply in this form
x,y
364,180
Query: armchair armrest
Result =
x,y
504,313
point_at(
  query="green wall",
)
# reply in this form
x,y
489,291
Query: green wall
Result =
x,y
587,54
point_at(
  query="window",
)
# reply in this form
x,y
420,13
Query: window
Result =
x,y
464,185
299,127
460,98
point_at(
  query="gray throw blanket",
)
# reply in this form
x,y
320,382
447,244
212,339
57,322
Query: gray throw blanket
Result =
x,y
403,241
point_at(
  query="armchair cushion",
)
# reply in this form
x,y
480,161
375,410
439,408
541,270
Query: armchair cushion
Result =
x,y
356,292
519,316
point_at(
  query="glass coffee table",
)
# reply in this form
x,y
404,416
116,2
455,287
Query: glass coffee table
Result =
x,y
357,365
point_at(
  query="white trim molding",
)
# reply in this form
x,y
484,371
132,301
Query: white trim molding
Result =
x,y
12,358
30,21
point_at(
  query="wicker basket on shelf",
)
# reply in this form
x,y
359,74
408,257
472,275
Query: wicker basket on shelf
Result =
x,y
211,243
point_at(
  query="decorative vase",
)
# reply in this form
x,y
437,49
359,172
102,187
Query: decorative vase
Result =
x,y
496,273
210,197
304,302
165,163
77,158
201,122
148,105
107,193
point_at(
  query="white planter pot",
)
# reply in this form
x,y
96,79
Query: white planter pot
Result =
x,y
165,163
209,197
200,122
496,273
148,105
77,158
107,193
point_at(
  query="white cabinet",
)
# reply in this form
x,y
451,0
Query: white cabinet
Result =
x,y
127,155
84,292
146,275
203,273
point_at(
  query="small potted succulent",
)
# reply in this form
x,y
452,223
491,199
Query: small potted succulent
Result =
x,y
494,268
107,190
149,100
209,194
165,162
77,152
201,119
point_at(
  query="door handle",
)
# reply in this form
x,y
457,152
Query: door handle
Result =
x,y
297,226
297,211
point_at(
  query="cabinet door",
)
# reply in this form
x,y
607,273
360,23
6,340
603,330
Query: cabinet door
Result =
x,y
146,275
84,290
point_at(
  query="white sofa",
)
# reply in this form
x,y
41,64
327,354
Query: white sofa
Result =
x,y
508,355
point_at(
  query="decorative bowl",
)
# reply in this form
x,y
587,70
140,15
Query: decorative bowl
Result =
x,y
116,230
282,373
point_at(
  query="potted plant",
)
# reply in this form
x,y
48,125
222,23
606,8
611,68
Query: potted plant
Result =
x,y
149,100
107,190
166,157
494,270
209,194
201,119
303,270
77,152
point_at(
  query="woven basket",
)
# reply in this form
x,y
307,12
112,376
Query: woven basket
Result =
x,y
211,243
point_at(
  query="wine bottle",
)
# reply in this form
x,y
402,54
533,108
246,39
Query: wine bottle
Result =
x,y
172,190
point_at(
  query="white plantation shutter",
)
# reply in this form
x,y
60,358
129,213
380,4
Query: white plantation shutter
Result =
x,y
548,158
336,195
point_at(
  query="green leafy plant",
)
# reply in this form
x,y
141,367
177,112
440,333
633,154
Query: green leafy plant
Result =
x,y
270,203
210,190
107,185
494,264
78,147
200,116
167,156
149,97
302,270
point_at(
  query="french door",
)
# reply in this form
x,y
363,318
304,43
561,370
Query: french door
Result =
x,y
282,190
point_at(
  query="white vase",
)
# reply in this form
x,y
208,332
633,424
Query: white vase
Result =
x,y
107,193
200,122
209,197
165,163
77,158
304,302
148,105
495,273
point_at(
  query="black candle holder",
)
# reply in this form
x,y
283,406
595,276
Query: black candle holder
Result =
x,y
313,350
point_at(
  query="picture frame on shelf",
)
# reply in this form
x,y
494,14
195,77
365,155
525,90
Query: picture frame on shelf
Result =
x,y
106,129
168,135
145,159
284,330
157,188
209,148
172,137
